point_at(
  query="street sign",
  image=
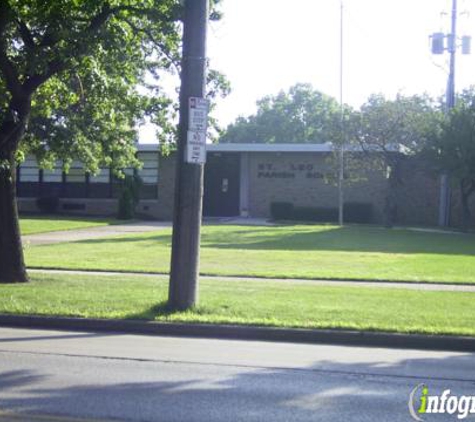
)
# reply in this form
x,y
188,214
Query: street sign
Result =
x,y
197,125
198,114
196,147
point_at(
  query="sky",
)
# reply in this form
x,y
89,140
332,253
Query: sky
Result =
x,y
265,46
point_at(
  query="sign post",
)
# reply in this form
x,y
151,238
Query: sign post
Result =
x,y
197,126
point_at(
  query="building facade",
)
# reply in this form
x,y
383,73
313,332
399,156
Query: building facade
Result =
x,y
240,180
81,193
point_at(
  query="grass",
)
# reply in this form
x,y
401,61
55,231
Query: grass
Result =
x,y
325,251
43,224
262,303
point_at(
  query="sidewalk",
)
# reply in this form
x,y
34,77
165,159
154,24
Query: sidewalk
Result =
x,y
438,287
124,229
94,232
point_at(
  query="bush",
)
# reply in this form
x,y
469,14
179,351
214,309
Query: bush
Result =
x,y
320,214
358,212
354,212
48,204
129,197
126,205
281,210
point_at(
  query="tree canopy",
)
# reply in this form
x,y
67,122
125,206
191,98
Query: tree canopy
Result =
x,y
69,77
402,125
453,150
387,131
300,115
78,65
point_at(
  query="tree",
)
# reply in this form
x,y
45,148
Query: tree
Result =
x,y
388,131
453,151
68,89
301,115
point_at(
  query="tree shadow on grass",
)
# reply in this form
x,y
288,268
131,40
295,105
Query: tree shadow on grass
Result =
x,y
160,239
353,239
160,309
305,238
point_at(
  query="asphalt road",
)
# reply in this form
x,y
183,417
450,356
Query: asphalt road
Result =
x,y
66,376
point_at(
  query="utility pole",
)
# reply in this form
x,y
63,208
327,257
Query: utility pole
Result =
x,y
444,203
184,273
448,42
452,48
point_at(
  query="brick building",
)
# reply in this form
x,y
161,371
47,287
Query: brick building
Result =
x,y
240,180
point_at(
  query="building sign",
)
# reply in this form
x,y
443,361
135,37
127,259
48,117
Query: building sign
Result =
x,y
291,171
197,125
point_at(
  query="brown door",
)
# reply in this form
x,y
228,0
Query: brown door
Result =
x,y
222,176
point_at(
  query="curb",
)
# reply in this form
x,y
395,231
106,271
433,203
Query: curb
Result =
x,y
237,332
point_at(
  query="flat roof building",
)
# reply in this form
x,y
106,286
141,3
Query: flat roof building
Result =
x,y
240,180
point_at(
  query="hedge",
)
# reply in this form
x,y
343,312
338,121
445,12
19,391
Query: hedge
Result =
x,y
354,212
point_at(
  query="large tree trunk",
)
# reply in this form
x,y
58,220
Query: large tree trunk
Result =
x,y
12,129
12,264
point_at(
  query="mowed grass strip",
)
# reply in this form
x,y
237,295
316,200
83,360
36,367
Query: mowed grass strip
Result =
x,y
264,303
312,252
44,224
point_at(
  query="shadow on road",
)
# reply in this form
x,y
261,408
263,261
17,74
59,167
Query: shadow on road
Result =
x,y
157,391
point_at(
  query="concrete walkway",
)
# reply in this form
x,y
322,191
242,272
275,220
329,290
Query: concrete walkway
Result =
x,y
437,287
94,232
124,229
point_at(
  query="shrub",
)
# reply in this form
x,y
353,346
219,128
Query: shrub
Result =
x,y
129,197
126,206
358,212
48,204
281,210
354,212
320,214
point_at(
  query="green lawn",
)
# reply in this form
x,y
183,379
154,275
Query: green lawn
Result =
x,y
264,303
43,224
301,251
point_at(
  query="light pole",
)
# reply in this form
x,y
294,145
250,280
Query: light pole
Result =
x,y
440,43
341,161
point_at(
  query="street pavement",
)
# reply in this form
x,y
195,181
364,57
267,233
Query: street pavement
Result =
x,y
65,376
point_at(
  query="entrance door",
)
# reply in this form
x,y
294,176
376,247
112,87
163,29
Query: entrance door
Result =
x,y
221,194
